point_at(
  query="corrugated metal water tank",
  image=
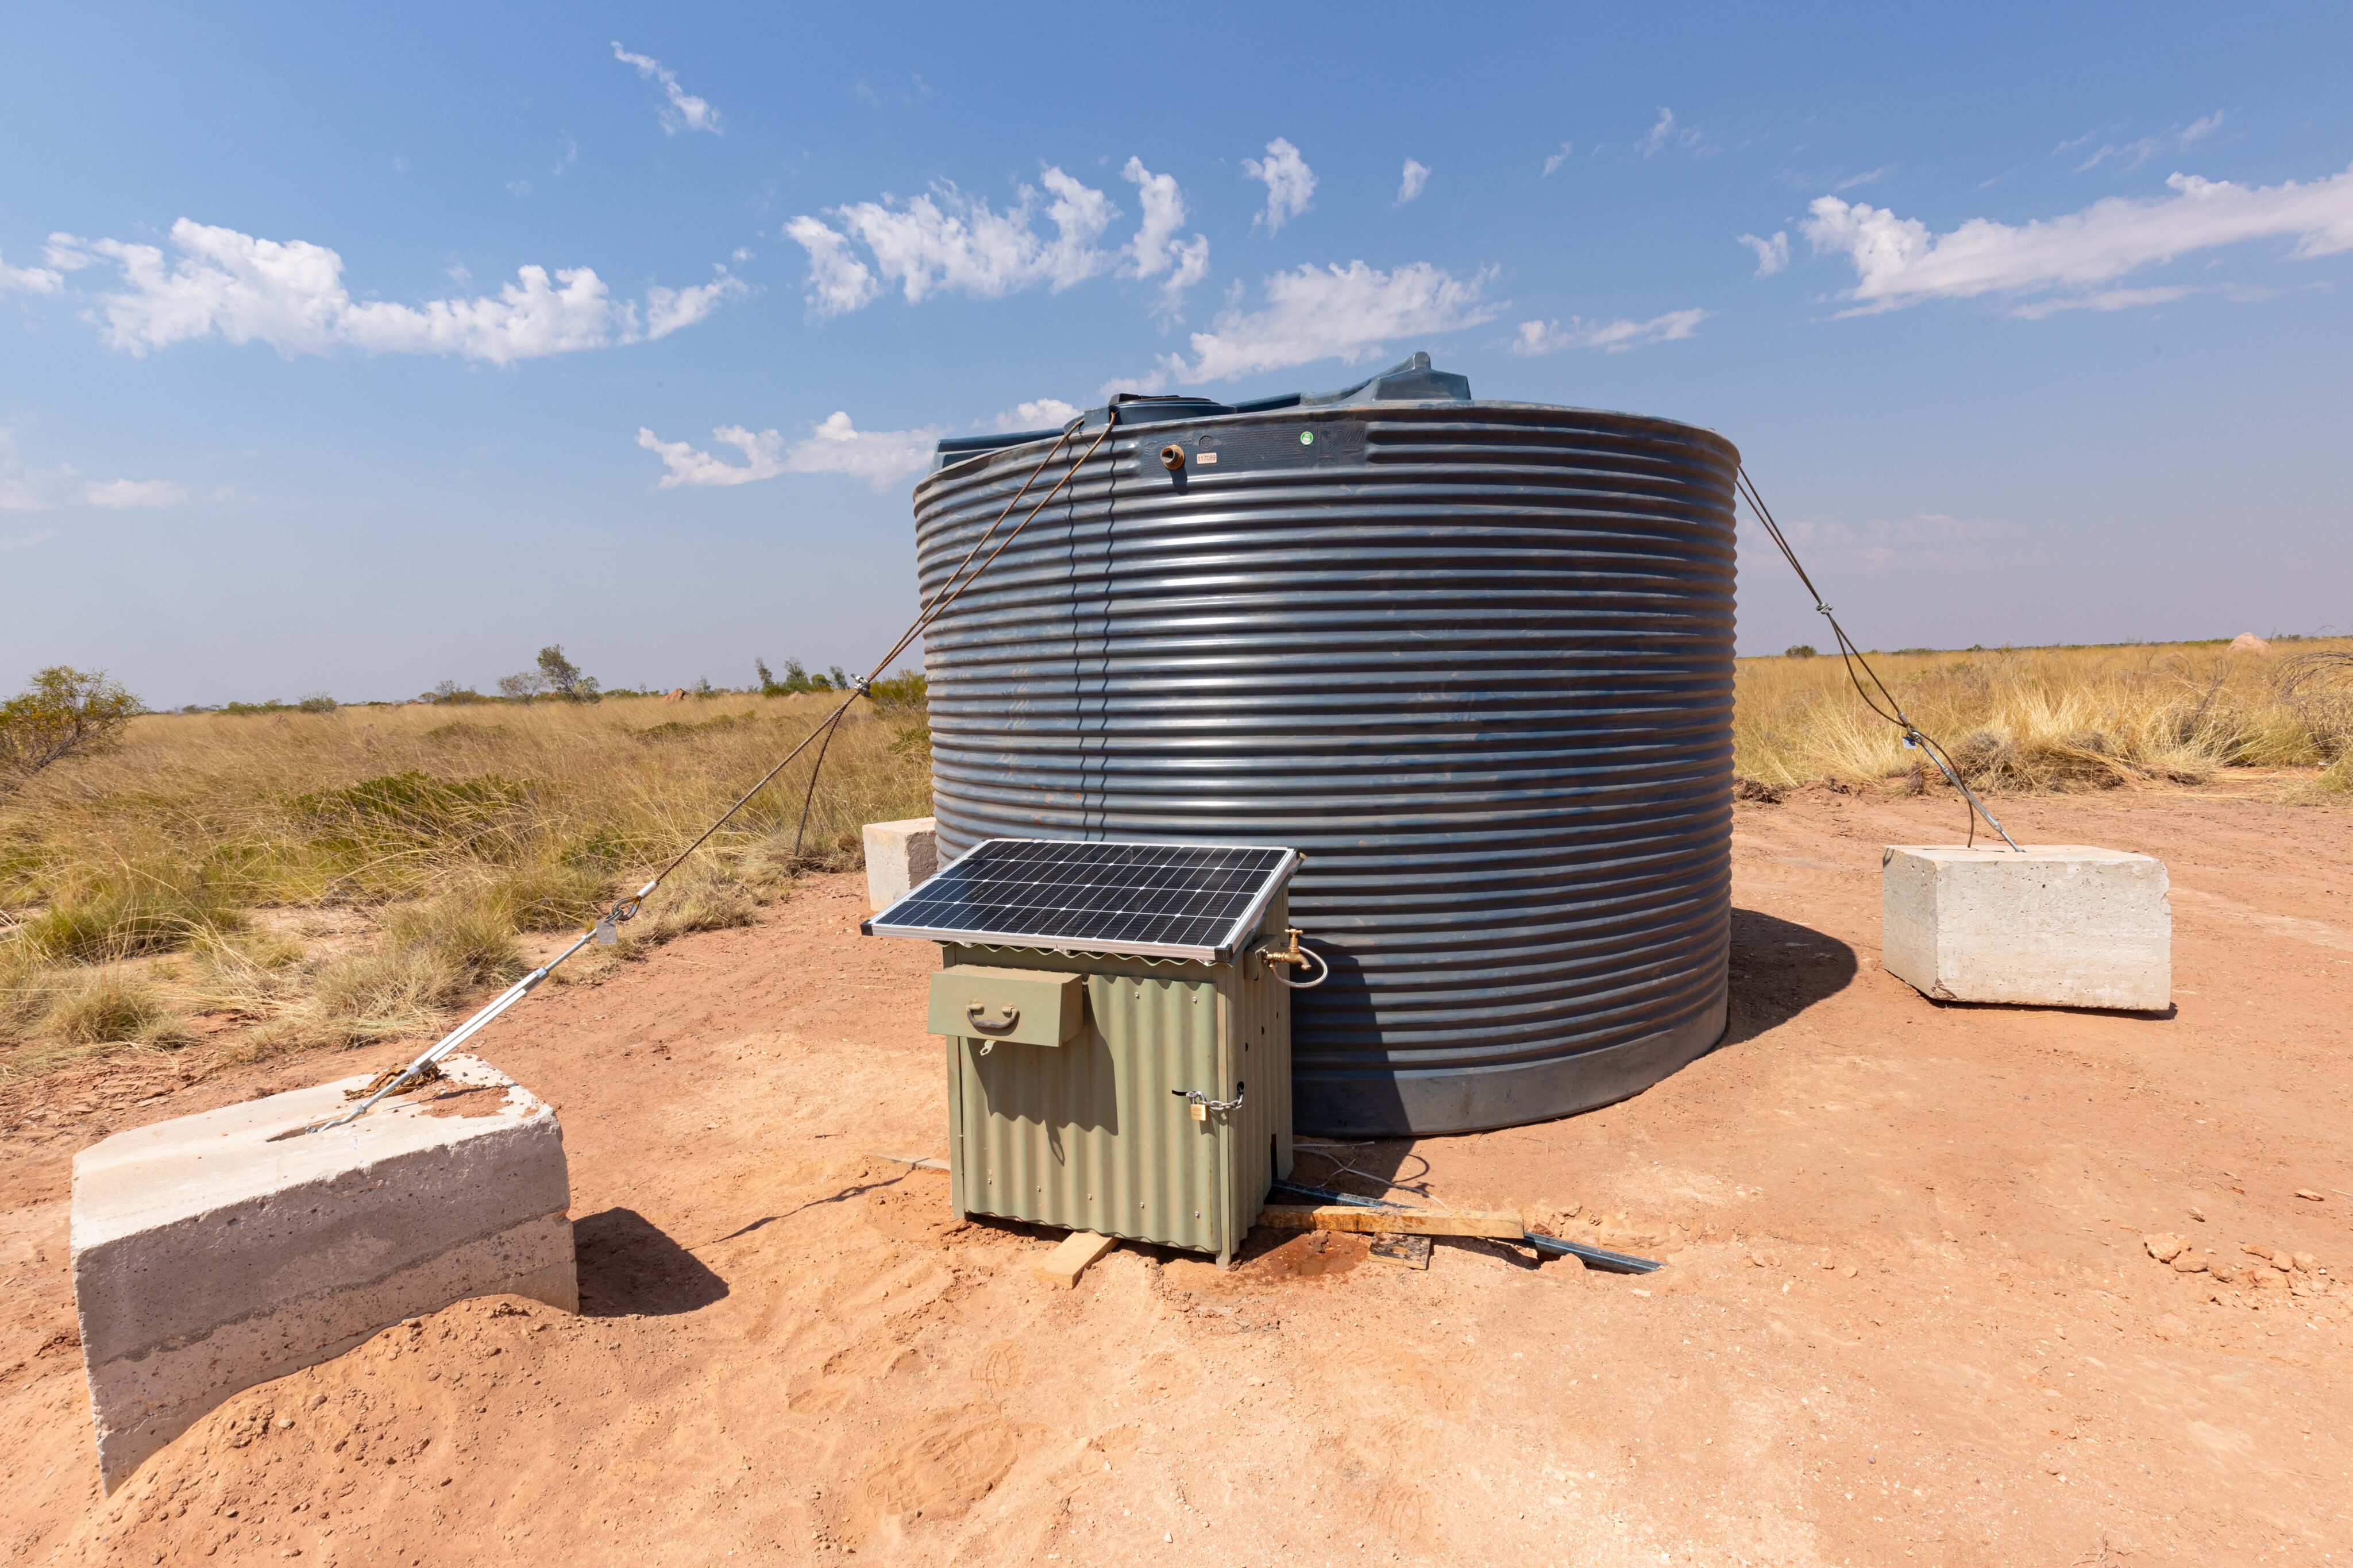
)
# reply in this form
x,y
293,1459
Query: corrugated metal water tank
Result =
x,y
1473,659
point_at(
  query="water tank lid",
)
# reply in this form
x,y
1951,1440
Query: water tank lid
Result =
x,y
1411,380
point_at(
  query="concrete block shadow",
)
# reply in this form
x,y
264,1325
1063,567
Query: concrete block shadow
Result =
x,y
629,1267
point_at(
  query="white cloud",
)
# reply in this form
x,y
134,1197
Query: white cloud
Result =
x,y
1610,337
1043,413
2133,154
2105,300
881,457
686,111
290,295
1289,183
1150,386
668,310
123,494
30,279
1332,312
1772,255
764,458
837,280
2199,129
23,488
1553,162
1410,183
946,240
1933,539
1899,262
1868,177
1666,135
27,541
1156,248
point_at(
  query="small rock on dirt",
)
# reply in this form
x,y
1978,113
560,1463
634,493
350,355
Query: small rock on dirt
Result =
x,y
2190,1263
2305,1262
2309,1196
2164,1247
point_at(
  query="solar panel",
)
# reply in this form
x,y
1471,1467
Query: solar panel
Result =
x,y
1157,900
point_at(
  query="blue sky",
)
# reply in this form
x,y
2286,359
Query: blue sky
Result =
x,y
354,350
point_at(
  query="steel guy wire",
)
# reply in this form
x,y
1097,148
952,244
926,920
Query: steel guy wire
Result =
x,y
1851,655
605,931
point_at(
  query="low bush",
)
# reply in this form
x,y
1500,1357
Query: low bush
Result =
x,y
105,1005
128,911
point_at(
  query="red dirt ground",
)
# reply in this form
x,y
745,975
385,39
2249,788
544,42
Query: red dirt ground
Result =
x,y
1908,1314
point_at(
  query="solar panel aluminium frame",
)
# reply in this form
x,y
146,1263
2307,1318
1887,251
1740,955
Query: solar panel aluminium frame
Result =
x,y
1273,881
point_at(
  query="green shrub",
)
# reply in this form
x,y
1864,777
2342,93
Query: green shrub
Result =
x,y
415,809
128,913
63,712
906,689
106,1006
549,897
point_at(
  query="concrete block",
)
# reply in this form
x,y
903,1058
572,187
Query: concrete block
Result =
x,y
899,856
2062,925
212,1252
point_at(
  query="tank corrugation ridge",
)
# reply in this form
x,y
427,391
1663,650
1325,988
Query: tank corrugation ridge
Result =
x,y
1474,660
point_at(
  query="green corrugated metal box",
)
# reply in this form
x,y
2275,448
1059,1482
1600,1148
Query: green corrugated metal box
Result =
x,y
1097,1132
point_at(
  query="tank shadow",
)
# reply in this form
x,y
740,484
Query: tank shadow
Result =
x,y
629,1267
1779,969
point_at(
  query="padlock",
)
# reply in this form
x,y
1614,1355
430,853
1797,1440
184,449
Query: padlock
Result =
x,y
1200,1111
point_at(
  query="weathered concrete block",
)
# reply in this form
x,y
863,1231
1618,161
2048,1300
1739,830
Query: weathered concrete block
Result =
x,y
211,1253
2062,925
899,855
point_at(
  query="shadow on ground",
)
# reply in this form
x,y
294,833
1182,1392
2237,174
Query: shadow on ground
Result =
x,y
628,1266
1779,970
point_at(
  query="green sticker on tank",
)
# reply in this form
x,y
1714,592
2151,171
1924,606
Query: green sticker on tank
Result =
x,y
1307,437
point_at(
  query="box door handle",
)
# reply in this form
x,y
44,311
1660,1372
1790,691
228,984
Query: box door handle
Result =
x,y
972,1016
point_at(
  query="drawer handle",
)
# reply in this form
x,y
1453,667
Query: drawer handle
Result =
x,y
972,1016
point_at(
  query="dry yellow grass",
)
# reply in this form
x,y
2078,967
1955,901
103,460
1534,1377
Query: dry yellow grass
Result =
x,y
325,879
441,831
2041,719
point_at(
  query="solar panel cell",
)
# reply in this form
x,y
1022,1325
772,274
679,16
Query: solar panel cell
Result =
x,y
1173,900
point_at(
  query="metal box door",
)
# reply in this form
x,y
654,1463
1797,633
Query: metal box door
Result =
x,y
1095,1134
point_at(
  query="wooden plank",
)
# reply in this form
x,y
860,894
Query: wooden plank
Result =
x,y
1399,1222
1063,1267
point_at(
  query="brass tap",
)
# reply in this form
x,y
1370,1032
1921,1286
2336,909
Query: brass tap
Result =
x,y
1289,955
1172,457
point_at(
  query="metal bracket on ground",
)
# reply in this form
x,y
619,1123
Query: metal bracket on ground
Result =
x,y
1591,1257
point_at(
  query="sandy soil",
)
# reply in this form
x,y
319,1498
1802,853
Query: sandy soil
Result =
x,y
1908,1315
